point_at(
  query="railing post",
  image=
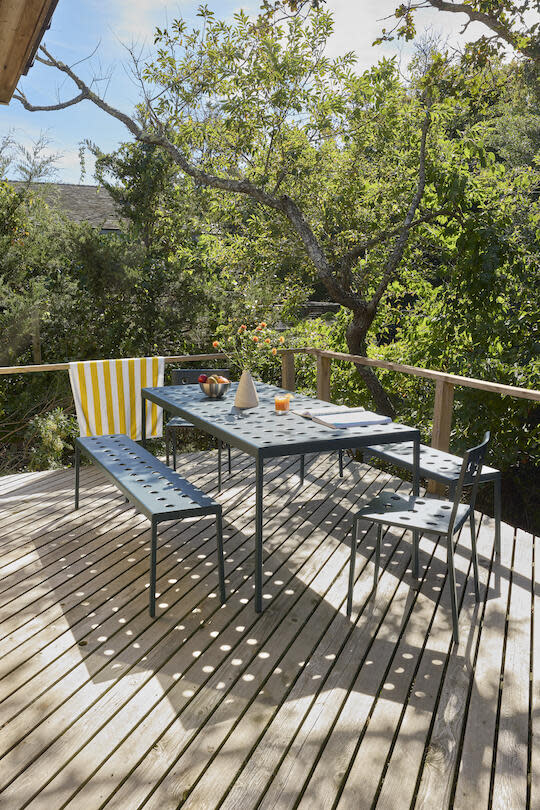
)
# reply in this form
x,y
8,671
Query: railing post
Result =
x,y
442,423
323,377
287,371
442,415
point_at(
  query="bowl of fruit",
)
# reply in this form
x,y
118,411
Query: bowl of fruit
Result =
x,y
214,386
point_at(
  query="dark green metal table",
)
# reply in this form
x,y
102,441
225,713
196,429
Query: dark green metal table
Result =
x,y
262,433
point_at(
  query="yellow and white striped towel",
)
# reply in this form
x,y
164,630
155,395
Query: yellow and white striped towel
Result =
x,y
107,396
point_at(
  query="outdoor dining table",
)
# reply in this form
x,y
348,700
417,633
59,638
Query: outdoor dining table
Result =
x,y
262,433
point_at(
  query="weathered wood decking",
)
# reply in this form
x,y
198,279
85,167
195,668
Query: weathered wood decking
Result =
x,y
208,707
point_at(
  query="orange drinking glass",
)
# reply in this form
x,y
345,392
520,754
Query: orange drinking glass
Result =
x,y
282,403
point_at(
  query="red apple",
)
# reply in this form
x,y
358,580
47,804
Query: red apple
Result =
x,y
203,378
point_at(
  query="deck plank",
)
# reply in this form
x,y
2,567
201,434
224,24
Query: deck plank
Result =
x,y
510,778
209,707
475,768
428,738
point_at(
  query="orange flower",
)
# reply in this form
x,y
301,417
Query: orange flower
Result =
x,y
263,325
258,328
215,344
255,339
243,327
282,339
274,351
267,340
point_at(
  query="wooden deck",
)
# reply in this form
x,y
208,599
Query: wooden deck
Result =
x,y
208,707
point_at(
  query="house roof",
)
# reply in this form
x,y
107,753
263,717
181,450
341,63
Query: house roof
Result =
x,y
92,204
22,25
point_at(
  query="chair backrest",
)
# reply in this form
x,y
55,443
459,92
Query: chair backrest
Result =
x,y
469,474
189,376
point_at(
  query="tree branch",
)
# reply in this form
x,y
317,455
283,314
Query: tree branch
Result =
x,y
349,258
397,253
283,204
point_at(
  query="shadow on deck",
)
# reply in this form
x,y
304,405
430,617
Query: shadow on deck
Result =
x,y
209,706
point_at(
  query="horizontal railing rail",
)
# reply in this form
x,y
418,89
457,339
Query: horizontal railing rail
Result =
x,y
179,358
445,383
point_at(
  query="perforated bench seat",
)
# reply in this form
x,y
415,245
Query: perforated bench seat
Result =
x,y
152,487
437,465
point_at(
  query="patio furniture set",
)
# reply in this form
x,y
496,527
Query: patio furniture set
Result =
x,y
161,494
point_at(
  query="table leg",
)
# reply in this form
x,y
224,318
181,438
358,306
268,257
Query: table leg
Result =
x,y
143,426
416,492
219,447
258,533
302,467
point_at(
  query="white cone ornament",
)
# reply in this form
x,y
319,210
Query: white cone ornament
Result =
x,y
246,393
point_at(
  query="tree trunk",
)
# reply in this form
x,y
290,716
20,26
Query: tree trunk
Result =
x,y
356,341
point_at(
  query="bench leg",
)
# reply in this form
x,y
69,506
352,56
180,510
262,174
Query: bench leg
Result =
x,y
77,466
219,448
351,567
341,463
153,562
221,564
497,505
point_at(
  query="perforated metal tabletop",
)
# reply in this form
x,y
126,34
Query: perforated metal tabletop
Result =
x,y
262,433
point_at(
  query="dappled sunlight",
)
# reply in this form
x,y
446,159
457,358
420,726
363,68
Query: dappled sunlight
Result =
x,y
205,686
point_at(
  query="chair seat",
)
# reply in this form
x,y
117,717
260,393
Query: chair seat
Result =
x,y
409,512
434,464
179,422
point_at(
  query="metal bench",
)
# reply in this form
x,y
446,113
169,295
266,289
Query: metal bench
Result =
x,y
436,465
153,488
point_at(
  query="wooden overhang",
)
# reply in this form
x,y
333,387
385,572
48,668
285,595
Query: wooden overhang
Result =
x,y
22,25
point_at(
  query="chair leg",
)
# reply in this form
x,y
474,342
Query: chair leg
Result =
x,y
77,466
341,463
351,567
415,543
153,562
497,505
221,563
452,586
474,557
229,458
377,555
174,446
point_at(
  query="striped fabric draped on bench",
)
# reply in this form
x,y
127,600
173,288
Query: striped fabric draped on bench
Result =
x,y
107,396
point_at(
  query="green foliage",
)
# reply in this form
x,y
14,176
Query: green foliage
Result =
x,y
51,438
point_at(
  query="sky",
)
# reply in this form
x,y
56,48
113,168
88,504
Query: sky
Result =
x,y
77,29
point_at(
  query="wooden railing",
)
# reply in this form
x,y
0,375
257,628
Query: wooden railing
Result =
x,y
444,383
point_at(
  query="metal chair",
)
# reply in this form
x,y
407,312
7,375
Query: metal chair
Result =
x,y
189,376
429,516
437,465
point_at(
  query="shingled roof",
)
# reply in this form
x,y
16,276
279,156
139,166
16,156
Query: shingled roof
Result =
x,y
90,204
